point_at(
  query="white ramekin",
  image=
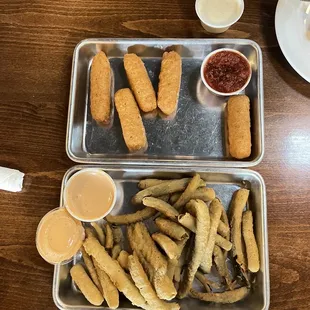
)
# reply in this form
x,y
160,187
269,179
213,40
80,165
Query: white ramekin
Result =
x,y
112,204
217,28
215,92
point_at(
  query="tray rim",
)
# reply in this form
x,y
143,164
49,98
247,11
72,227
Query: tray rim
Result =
x,y
199,169
174,161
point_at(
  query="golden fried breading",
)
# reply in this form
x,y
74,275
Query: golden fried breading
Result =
x,y
100,89
238,126
131,121
140,82
169,82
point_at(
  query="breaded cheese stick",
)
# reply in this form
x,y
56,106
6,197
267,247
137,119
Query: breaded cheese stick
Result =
x,y
140,82
169,82
238,126
86,285
131,121
100,89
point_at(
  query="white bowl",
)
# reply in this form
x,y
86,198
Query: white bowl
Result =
x,y
215,92
112,204
208,26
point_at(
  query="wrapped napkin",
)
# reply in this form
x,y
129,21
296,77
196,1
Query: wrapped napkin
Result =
x,y
11,180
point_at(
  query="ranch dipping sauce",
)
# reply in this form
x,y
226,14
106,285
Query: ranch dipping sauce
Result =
x,y
59,236
90,195
217,16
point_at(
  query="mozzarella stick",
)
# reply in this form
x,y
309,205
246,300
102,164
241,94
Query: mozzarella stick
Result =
x,y
169,82
131,121
100,89
140,82
239,126
250,242
115,272
86,285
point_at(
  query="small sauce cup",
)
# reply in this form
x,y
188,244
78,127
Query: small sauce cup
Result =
x,y
216,16
90,195
59,236
226,66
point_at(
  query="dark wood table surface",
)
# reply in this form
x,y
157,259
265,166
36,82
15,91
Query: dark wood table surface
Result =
x,y
37,38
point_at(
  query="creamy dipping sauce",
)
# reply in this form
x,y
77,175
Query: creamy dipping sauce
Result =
x,y
90,194
59,236
219,12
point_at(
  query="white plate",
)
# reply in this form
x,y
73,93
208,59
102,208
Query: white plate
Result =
x,y
292,23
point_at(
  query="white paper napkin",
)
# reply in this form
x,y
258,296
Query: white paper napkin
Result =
x,y
11,180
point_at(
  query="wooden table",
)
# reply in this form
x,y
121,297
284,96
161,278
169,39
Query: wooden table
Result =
x,y
37,38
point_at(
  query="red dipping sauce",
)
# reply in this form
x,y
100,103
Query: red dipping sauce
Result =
x,y
227,71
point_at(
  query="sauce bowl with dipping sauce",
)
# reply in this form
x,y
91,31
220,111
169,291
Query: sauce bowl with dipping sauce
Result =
x,y
216,16
90,195
59,236
226,72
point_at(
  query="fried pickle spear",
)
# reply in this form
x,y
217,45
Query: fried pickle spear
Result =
x,y
223,243
220,263
140,82
109,237
117,234
206,282
132,218
169,82
145,287
188,221
146,183
168,245
100,89
116,250
90,233
100,233
201,240
147,247
116,273
152,260
161,206
227,297
203,193
109,290
171,229
123,259
215,215
91,268
189,191
172,264
85,284
238,203
164,188
250,242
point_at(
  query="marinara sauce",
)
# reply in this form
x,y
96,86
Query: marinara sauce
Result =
x,y
227,71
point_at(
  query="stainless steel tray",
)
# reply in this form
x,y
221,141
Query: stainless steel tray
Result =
x,y
225,182
196,136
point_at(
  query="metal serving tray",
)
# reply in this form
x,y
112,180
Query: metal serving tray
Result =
x,y
195,136
225,182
